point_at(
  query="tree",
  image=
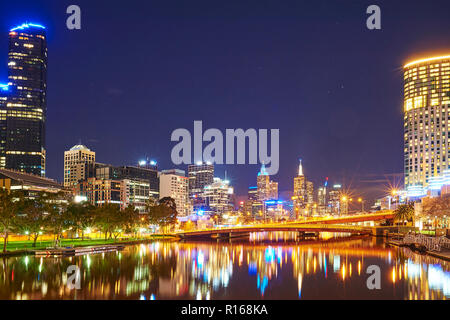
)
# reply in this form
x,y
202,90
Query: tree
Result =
x,y
110,220
439,206
81,216
58,217
131,220
9,206
33,216
164,213
404,212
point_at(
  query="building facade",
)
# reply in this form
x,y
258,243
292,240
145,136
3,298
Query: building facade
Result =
x,y
266,189
100,191
3,113
200,175
218,197
334,199
118,173
134,192
174,184
27,99
78,162
426,120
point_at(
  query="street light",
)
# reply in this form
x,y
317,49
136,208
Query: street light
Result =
x,y
360,200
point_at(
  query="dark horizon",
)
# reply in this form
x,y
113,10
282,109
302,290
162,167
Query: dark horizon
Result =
x,y
313,70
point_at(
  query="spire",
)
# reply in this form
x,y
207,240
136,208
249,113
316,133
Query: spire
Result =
x,y
263,171
300,169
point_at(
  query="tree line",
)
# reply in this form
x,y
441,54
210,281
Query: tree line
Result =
x,y
49,213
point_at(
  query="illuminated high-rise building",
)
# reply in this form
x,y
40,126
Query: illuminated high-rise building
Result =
x,y
300,186
200,175
426,120
267,189
309,192
174,184
78,161
218,197
334,199
4,89
27,100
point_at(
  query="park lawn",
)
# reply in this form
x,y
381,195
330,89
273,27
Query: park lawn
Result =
x,y
28,245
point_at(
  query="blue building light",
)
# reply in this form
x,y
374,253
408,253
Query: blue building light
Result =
x,y
27,25
4,87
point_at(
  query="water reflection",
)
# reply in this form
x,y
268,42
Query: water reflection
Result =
x,y
266,266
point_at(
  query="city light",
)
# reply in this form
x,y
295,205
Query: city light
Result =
x,y
27,25
426,60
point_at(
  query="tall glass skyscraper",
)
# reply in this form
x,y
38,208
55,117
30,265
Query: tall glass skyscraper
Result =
x,y
26,100
426,120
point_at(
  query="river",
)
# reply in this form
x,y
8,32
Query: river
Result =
x,y
265,266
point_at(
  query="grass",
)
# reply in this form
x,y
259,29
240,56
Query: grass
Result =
x,y
28,245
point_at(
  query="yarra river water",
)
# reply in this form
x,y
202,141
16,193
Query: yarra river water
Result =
x,y
266,266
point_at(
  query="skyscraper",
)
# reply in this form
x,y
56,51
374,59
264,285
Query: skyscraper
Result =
x,y
218,196
77,163
267,189
300,186
200,175
27,101
426,125
309,192
334,199
174,184
4,89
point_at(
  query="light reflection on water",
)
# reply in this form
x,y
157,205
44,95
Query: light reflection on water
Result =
x,y
266,266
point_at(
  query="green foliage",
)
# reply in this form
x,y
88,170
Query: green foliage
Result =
x,y
163,213
9,206
404,212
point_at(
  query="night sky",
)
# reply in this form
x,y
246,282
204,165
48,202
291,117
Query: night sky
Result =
x,y
137,70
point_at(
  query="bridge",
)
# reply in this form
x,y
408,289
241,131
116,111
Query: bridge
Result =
x,y
244,230
314,226
378,216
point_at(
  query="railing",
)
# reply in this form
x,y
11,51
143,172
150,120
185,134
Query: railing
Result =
x,y
431,243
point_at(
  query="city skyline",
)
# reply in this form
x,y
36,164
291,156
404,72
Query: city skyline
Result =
x,y
330,134
236,152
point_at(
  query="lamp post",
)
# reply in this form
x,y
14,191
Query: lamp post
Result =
x,y
360,200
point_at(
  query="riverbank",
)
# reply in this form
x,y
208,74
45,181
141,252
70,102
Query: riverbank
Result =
x,y
444,255
20,248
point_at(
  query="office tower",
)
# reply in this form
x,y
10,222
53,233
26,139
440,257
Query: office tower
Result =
x,y
299,196
322,198
174,184
136,193
300,186
218,197
200,175
27,100
309,192
4,89
147,173
267,189
253,193
426,125
78,162
334,199
100,191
